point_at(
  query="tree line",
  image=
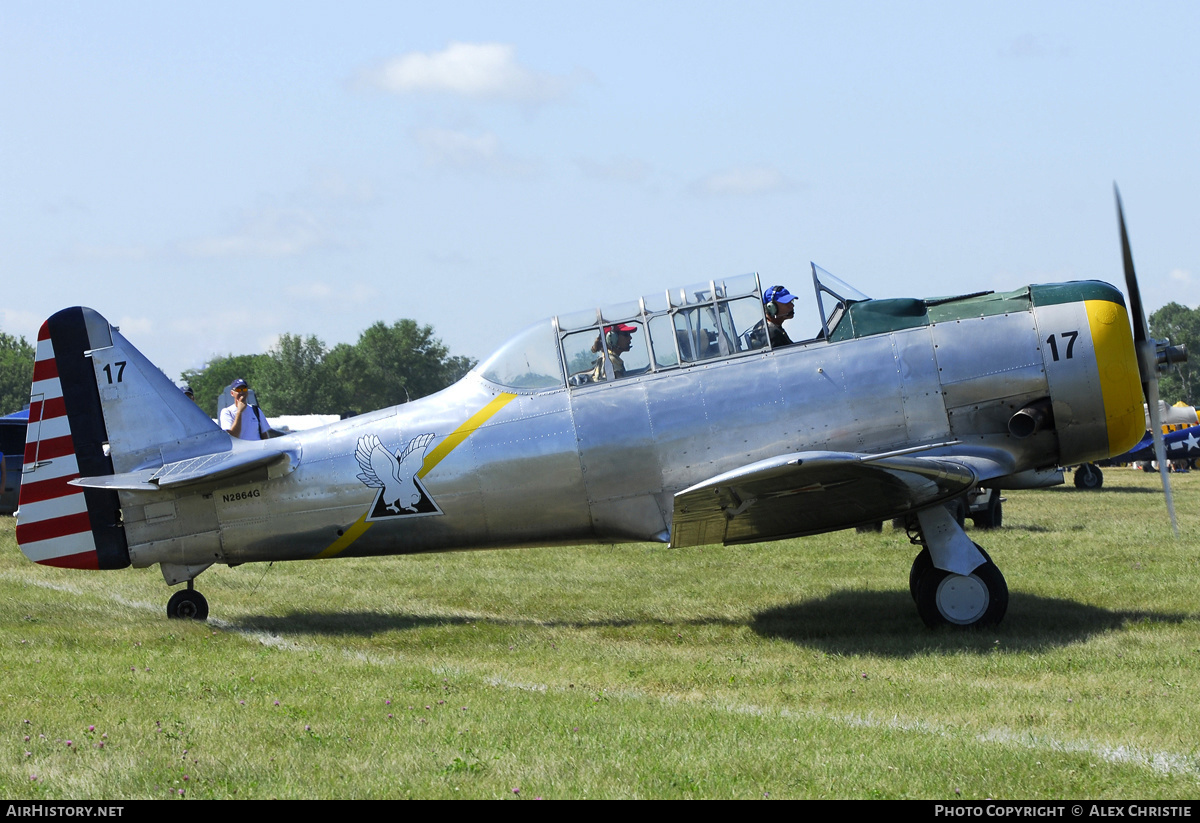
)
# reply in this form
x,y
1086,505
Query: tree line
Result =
x,y
1181,326
16,372
298,375
404,361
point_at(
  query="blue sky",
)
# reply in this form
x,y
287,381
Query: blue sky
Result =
x,y
211,175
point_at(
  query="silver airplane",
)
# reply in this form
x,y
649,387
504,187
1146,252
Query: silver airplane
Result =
x,y
673,419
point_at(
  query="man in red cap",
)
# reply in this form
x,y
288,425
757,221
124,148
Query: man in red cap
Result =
x,y
618,339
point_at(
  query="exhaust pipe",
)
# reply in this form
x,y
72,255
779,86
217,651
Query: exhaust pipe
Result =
x,y
1032,419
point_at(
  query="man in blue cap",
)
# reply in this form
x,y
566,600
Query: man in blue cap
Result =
x,y
777,304
241,419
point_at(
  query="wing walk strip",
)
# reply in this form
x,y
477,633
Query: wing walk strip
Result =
x,y
435,456
53,526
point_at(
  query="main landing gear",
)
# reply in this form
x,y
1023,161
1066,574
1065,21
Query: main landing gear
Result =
x,y
953,581
187,604
1088,476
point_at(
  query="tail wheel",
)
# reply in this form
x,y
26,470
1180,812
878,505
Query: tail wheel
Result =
x,y
187,604
975,600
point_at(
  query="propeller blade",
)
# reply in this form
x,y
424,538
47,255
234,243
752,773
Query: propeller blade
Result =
x,y
1160,452
1141,331
1147,361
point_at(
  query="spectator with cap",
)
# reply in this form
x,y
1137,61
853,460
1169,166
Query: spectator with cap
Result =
x,y
191,395
240,419
777,304
618,339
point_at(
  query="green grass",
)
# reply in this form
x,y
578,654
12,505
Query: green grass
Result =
x,y
791,669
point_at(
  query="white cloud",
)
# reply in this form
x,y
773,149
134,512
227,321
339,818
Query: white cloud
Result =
x,y
332,187
456,149
617,169
481,71
1181,277
265,233
743,181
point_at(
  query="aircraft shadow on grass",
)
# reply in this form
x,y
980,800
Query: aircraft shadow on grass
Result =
x,y
882,623
1107,489
845,622
368,624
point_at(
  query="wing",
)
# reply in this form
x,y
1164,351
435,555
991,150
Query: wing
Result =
x,y
812,492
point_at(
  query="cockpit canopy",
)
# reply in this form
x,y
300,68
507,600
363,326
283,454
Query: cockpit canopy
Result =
x,y
717,319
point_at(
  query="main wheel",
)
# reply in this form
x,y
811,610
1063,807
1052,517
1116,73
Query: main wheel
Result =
x,y
974,600
992,515
1088,476
187,604
922,563
958,510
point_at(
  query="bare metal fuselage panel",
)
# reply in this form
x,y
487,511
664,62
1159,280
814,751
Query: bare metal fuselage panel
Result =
x,y
713,436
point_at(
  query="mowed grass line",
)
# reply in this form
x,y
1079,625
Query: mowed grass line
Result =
x,y
790,669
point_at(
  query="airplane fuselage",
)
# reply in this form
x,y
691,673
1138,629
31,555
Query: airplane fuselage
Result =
x,y
603,461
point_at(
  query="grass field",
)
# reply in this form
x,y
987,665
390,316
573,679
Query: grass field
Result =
x,y
790,669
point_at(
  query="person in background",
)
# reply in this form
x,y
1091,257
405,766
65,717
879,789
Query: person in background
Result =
x,y
242,420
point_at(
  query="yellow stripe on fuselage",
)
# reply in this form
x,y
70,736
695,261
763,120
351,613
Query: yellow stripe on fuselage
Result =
x,y
1120,383
463,432
351,534
452,441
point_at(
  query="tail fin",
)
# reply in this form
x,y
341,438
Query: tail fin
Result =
x,y
97,405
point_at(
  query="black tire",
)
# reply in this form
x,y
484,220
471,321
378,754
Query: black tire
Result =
x,y
958,509
922,563
1089,476
977,600
870,528
187,604
992,516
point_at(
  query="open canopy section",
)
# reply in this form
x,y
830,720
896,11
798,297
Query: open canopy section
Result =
x,y
668,330
672,329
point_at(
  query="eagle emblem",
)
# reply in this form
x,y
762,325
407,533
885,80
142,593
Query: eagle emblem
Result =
x,y
395,475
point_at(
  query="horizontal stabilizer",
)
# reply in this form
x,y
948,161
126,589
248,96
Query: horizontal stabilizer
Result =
x,y
193,471
812,492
